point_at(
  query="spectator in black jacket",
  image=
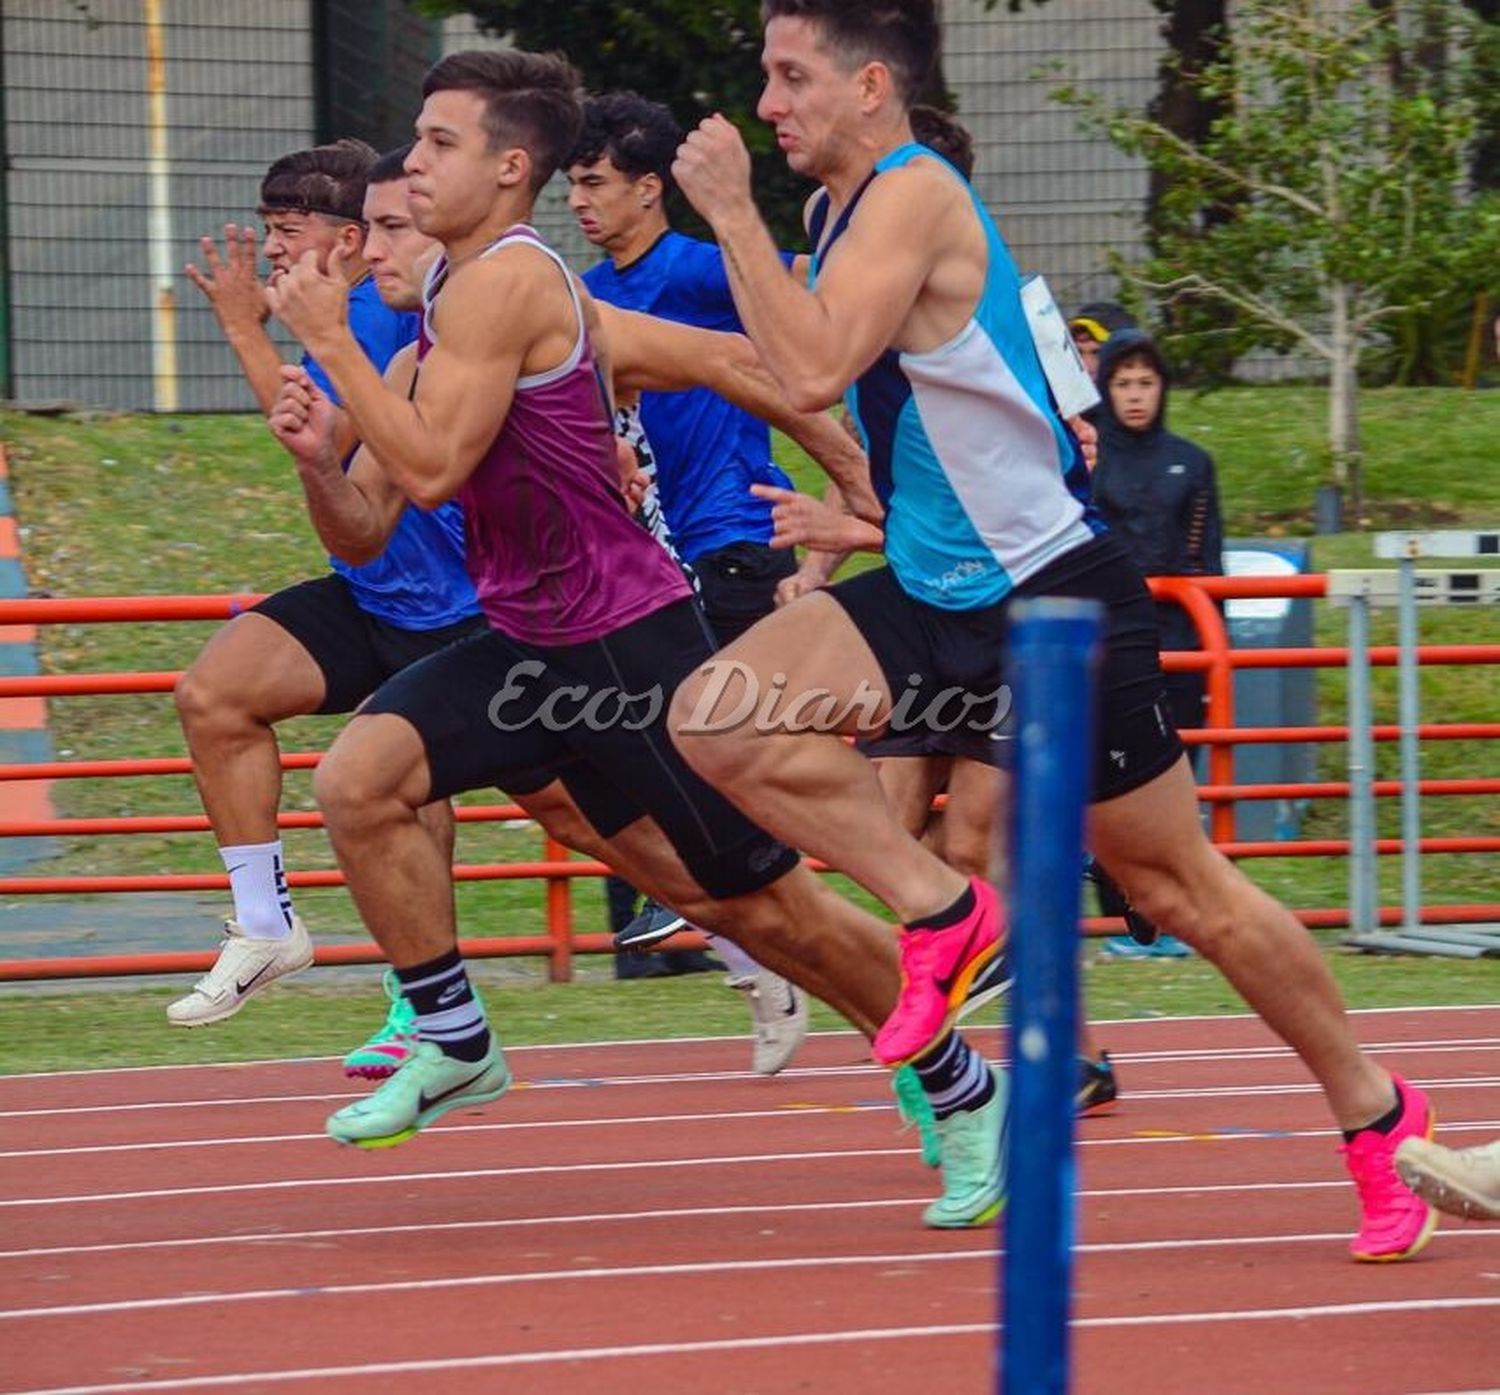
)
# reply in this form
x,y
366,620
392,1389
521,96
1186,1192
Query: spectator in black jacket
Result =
x,y
1158,494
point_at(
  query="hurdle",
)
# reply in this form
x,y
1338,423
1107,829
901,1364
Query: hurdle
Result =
x,y
1406,589
1052,658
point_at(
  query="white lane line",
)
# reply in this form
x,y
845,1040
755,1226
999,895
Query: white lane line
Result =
x,y
792,1076
294,1238
443,1283
786,1111
777,1342
543,1169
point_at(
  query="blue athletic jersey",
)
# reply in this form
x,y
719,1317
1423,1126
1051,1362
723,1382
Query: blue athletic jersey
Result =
x,y
419,582
708,452
983,483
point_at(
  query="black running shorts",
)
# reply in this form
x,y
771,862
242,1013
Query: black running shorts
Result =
x,y
496,711
925,652
355,651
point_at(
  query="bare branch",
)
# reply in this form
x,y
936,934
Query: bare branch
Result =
x,y
1195,284
1194,156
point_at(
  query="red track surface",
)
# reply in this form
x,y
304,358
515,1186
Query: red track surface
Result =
x,y
651,1216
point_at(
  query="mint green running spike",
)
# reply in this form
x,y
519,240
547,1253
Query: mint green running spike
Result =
x,y
423,1090
916,1113
389,1048
973,1144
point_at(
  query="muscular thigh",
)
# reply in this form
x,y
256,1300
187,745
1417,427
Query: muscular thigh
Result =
x,y
253,665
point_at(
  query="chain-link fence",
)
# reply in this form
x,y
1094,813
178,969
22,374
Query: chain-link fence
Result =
x,y
132,127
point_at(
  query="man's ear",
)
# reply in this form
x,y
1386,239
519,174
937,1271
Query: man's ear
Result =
x,y
649,189
351,240
514,168
876,86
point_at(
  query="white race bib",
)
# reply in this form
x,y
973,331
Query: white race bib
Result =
x,y
1069,380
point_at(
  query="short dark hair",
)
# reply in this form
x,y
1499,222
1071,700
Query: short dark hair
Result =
x,y
327,179
902,34
942,131
1127,346
532,100
639,136
390,166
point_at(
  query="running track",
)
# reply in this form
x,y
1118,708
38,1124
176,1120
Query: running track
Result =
x,y
650,1216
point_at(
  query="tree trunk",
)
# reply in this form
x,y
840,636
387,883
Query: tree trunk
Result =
x,y
1196,33
1484,165
1343,401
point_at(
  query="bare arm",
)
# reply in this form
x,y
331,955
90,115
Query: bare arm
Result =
x,y
354,512
656,355
817,342
429,445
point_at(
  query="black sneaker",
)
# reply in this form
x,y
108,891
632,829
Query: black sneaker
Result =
x,y
1098,1090
651,926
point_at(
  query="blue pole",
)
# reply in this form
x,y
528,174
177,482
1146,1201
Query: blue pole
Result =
x,y
1052,657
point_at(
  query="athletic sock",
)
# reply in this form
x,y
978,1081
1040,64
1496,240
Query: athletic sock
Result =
x,y
257,881
739,964
447,1010
941,920
955,1077
1385,1123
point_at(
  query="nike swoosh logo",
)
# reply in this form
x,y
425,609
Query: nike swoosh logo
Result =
x,y
791,1002
449,994
425,1101
249,983
238,867
945,985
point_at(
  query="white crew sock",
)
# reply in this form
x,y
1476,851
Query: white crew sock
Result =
x,y
257,879
739,964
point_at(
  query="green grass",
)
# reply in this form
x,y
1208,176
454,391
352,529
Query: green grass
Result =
x,y
115,505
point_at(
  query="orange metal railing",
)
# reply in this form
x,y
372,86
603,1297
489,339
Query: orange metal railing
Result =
x,y
556,869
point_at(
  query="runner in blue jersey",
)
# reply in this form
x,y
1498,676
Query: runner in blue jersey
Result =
x,y
915,309
323,645
708,452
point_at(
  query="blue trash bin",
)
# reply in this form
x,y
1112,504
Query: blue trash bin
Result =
x,y
1271,697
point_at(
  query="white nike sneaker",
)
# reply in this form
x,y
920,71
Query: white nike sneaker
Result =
x,y
244,966
779,1012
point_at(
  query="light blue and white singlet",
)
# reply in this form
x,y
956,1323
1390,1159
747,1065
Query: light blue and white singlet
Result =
x,y
984,485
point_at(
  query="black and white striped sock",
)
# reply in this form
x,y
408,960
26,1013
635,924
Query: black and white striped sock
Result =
x,y
955,1077
448,1011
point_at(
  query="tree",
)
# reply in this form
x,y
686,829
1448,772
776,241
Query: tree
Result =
x,y
1328,200
696,56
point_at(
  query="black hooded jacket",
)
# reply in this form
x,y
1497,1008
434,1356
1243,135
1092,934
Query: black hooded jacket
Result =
x,y
1156,491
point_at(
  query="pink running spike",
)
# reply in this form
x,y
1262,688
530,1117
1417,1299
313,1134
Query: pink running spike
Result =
x,y
1396,1222
938,967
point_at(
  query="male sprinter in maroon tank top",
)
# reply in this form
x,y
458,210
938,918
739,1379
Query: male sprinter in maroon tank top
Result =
x,y
590,623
